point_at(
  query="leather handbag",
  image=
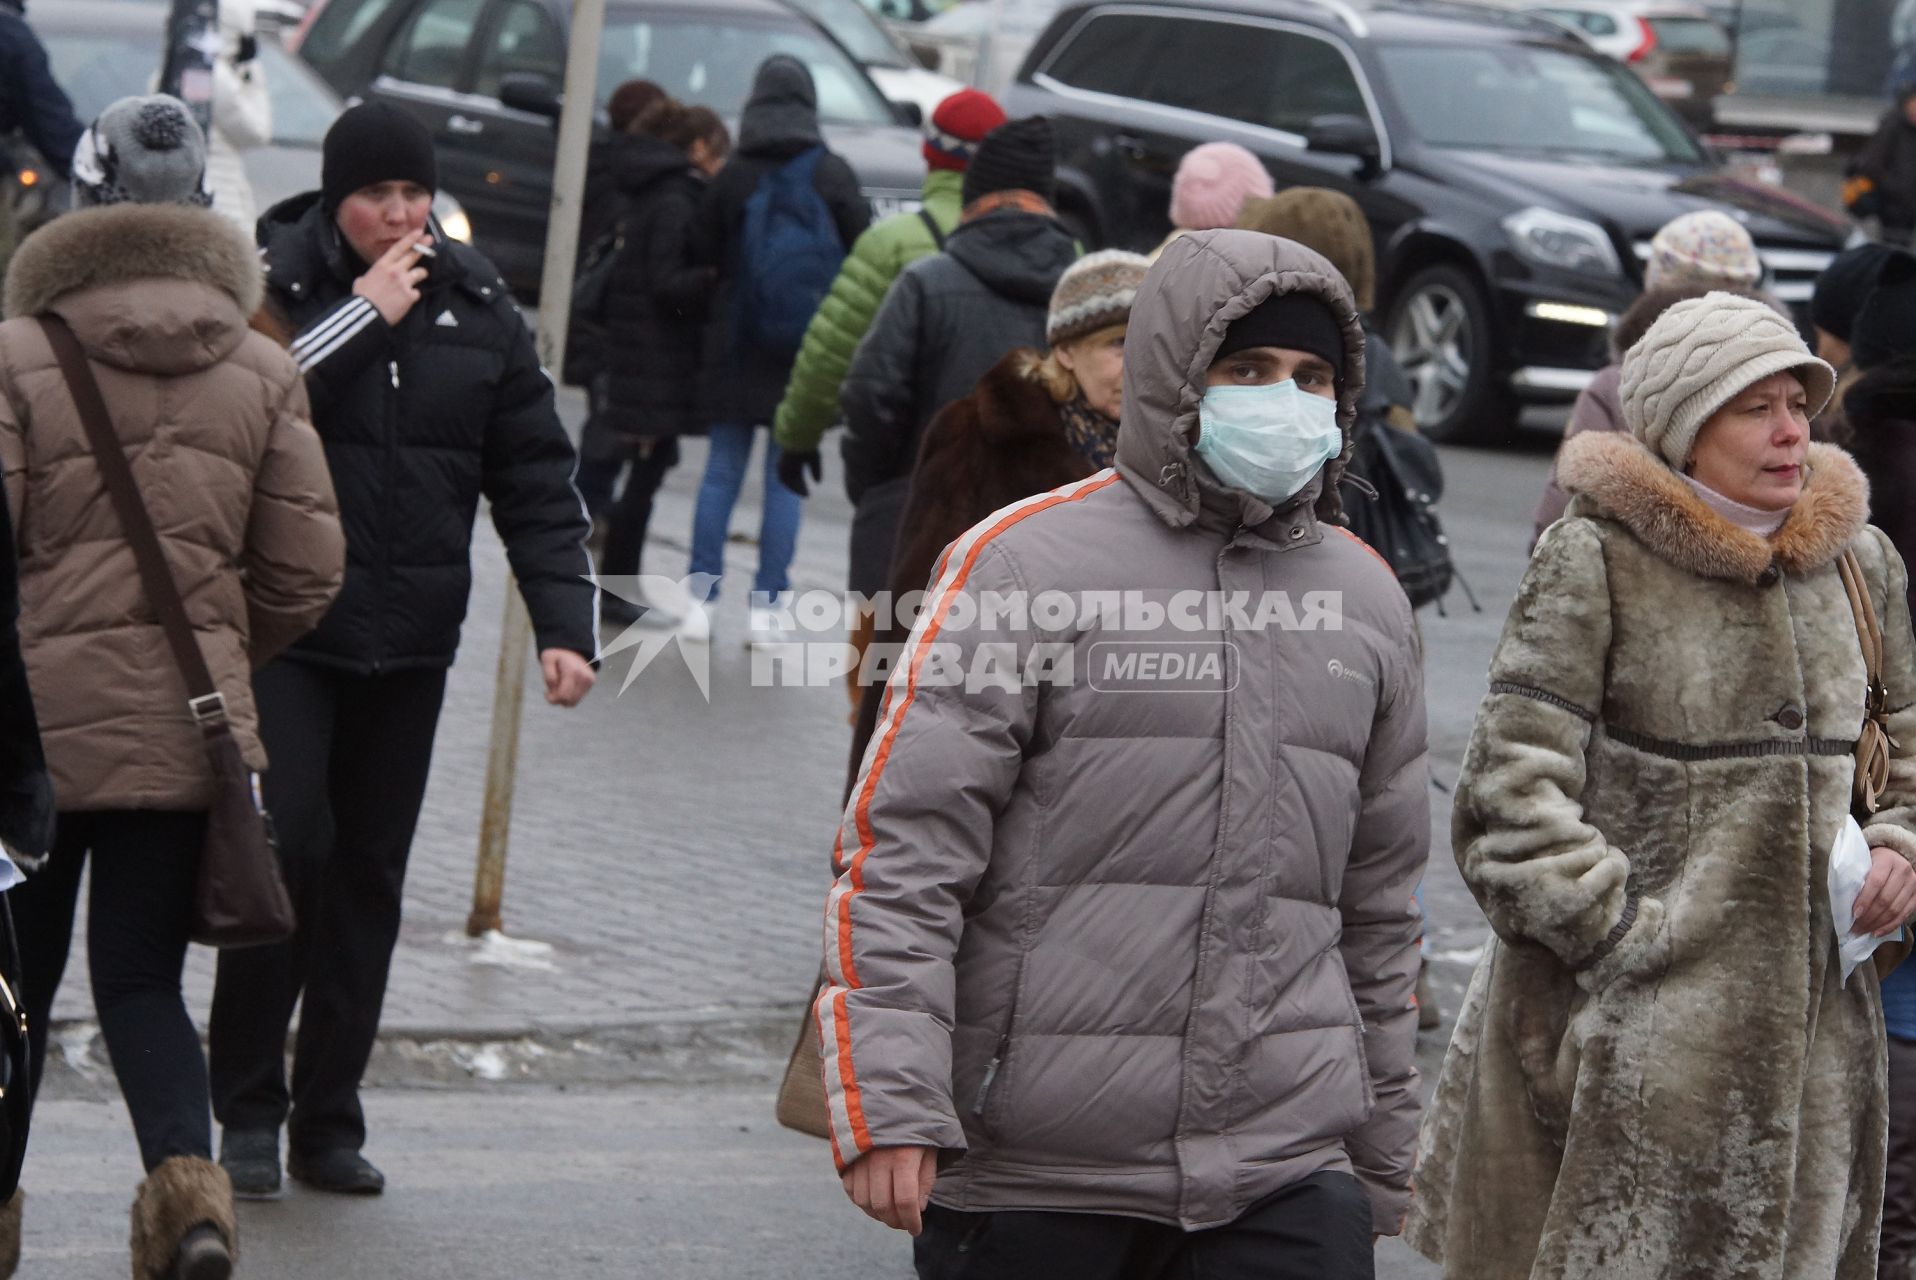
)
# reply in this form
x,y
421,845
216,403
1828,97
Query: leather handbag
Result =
x,y
1873,743
801,1094
241,900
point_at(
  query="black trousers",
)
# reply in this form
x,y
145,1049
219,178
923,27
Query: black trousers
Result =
x,y
1316,1229
632,514
139,918
349,757
1899,1180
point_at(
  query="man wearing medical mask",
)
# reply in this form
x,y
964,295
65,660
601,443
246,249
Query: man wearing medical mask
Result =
x,y
1122,947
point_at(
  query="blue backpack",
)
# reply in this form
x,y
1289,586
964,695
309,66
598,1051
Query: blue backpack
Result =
x,y
789,254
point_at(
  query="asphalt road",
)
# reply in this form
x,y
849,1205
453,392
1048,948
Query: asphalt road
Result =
x,y
692,1180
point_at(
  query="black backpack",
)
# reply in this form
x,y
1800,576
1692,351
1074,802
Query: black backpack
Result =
x,y
586,331
1400,520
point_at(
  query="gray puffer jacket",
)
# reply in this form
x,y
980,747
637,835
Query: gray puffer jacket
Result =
x,y
1113,948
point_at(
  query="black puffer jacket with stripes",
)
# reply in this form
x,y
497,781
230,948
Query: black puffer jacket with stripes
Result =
x,y
420,419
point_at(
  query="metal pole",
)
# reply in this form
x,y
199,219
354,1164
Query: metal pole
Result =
x,y
555,296
192,38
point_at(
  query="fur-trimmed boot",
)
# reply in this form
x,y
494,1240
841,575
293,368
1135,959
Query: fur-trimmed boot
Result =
x,y
177,1199
10,1234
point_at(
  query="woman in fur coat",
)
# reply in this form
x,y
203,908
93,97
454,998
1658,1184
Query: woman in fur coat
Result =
x,y
1034,423
1659,1071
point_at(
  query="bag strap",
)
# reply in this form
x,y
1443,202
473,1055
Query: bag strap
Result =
x,y
1873,745
931,225
204,699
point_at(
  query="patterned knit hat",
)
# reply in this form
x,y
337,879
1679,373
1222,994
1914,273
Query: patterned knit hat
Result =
x,y
141,151
1699,356
1705,247
1094,293
957,127
1212,184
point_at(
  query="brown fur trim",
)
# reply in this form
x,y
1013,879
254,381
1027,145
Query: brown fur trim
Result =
x,y
182,1193
1621,478
10,1234
120,243
1891,836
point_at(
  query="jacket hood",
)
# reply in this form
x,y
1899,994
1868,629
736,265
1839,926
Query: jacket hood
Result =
x,y
1615,475
638,162
781,116
1017,255
199,279
1202,282
1882,400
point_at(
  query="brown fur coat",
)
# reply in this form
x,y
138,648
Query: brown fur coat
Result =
x,y
1656,1074
1003,442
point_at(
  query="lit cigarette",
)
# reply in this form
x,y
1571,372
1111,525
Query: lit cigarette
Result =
x,y
425,250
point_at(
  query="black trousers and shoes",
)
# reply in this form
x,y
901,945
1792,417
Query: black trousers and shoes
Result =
x,y
630,519
1316,1229
139,920
350,755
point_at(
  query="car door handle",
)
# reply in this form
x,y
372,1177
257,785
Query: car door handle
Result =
x,y
1131,147
466,125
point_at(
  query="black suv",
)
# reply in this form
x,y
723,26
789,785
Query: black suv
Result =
x,y
484,75
1513,179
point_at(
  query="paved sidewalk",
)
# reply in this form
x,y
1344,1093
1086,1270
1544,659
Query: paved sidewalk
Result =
x,y
673,855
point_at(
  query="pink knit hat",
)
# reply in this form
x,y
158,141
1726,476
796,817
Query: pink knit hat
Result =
x,y
1213,183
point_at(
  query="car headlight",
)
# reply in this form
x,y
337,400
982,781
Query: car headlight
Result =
x,y
452,218
1553,239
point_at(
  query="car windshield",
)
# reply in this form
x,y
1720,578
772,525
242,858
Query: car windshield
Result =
x,y
853,26
98,68
1533,98
712,63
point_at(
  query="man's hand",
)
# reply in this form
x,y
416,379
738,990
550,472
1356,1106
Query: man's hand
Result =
x,y
392,283
1888,898
893,1185
792,466
569,677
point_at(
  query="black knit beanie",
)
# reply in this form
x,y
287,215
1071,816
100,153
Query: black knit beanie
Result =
x,y
371,143
1885,328
1294,321
1844,286
1019,155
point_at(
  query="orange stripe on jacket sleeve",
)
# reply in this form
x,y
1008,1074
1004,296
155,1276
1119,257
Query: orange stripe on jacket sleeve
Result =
x,y
861,813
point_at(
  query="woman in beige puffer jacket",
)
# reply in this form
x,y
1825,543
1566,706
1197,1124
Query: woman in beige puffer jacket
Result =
x,y
213,417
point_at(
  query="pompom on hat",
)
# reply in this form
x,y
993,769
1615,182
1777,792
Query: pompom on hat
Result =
x,y
1700,355
142,151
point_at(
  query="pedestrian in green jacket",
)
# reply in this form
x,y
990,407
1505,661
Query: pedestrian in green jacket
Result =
x,y
887,247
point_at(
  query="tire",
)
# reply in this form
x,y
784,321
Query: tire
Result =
x,y
1441,334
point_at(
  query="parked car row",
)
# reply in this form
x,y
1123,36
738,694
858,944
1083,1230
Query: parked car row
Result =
x,y
485,76
1513,177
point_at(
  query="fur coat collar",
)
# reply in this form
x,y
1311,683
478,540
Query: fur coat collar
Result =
x,y
1615,475
119,244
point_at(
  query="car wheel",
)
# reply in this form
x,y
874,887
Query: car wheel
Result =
x,y
1440,333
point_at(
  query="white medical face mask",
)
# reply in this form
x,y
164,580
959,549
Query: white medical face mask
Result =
x,y
1268,441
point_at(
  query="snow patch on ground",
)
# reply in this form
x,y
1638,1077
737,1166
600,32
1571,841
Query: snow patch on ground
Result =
x,y
499,951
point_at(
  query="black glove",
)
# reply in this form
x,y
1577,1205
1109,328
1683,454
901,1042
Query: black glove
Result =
x,y
792,466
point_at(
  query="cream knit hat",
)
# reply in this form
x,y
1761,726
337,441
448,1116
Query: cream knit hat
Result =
x,y
1697,357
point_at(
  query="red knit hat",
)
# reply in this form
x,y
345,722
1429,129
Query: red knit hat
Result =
x,y
957,127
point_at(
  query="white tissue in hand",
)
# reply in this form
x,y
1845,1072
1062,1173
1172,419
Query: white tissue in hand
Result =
x,y
1849,867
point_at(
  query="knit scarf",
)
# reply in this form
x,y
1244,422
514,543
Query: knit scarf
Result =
x,y
1021,201
1089,432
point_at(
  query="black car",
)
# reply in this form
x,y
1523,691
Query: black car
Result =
x,y
1513,178
484,75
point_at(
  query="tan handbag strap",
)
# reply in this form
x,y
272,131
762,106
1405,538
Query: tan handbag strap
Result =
x,y
1873,743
